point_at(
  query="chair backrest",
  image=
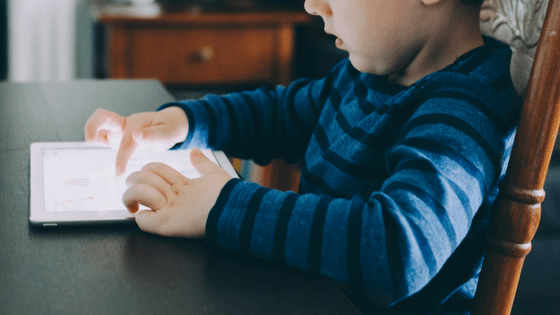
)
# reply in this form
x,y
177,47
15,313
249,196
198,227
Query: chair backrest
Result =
x,y
519,24
517,211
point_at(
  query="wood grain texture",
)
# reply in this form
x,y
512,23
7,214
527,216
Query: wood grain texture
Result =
x,y
203,55
246,47
518,208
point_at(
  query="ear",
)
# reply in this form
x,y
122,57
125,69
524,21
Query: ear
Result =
x,y
431,2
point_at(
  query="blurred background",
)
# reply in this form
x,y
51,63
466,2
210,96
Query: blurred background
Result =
x,y
3,39
46,40
59,40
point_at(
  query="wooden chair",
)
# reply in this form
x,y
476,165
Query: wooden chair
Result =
x,y
518,209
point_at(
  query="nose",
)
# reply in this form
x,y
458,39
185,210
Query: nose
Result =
x,y
318,7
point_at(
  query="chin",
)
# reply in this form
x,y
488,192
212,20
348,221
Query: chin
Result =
x,y
367,66
361,65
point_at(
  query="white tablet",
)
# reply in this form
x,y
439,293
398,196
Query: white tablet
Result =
x,y
72,183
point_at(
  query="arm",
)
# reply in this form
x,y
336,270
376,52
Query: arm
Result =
x,y
389,244
260,125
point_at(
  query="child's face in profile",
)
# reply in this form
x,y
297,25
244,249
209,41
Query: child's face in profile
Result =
x,y
381,36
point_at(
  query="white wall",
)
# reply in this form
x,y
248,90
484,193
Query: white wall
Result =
x,y
43,39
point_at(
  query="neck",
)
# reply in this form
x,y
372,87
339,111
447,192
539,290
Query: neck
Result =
x,y
443,48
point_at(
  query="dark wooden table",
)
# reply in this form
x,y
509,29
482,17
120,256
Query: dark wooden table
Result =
x,y
120,269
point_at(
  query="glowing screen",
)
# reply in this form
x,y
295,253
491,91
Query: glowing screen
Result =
x,y
84,179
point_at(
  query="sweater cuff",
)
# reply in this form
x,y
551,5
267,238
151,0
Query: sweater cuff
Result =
x,y
216,211
198,124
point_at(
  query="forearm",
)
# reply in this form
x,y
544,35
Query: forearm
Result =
x,y
261,125
367,245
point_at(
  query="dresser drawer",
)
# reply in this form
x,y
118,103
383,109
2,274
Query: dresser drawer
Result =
x,y
202,56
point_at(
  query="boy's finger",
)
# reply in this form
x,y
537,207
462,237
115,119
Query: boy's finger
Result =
x,y
101,139
166,172
92,125
150,221
145,195
154,137
148,178
152,133
202,163
126,149
102,119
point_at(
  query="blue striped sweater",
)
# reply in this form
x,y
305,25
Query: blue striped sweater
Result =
x,y
397,182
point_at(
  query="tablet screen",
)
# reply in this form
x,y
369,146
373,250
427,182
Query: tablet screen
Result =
x,y
84,179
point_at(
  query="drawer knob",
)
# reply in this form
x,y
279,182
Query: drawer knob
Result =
x,y
206,53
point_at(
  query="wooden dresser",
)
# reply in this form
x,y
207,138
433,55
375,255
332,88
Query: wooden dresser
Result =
x,y
189,46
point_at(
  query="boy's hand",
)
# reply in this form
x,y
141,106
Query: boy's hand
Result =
x,y
151,130
179,205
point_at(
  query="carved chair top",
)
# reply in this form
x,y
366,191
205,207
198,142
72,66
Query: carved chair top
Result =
x,y
517,23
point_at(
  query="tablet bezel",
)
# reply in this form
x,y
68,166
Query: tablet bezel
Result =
x,y
39,216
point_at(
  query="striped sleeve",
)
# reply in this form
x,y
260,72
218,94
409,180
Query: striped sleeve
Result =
x,y
392,242
261,125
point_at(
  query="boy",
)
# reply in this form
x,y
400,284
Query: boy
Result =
x,y
403,146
